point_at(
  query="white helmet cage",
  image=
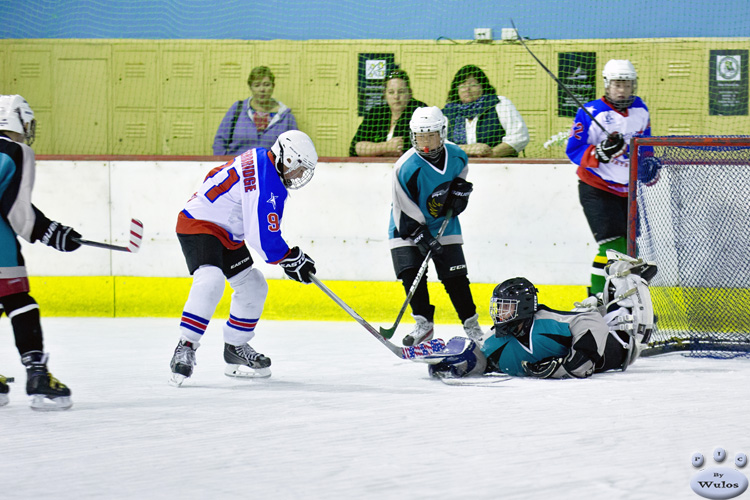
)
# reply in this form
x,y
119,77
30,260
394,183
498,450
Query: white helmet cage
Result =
x,y
425,120
620,69
16,116
293,150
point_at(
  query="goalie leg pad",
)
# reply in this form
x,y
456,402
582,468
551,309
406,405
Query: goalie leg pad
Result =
x,y
250,291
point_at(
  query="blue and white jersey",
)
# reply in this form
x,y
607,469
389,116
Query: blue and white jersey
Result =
x,y
419,192
585,135
553,335
242,200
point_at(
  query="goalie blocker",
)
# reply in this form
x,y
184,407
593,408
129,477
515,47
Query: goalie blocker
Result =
x,y
602,334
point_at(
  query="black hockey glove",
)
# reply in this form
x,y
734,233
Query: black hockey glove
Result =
x,y
425,241
60,237
545,368
612,146
458,196
298,265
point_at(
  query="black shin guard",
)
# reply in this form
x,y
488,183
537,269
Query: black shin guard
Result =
x,y
420,301
459,291
23,312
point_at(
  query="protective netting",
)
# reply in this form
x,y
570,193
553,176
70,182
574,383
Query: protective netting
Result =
x,y
694,222
170,77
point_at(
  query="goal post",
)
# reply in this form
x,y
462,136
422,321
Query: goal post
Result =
x,y
689,212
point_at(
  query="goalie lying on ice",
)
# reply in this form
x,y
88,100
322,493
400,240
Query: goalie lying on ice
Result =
x,y
529,339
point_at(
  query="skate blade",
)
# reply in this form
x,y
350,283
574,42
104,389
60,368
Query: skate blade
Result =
x,y
4,399
41,403
176,379
242,371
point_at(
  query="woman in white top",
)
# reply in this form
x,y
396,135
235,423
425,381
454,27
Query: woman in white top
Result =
x,y
481,122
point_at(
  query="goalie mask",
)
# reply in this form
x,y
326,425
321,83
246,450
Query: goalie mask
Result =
x,y
295,158
428,130
616,73
513,304
16,116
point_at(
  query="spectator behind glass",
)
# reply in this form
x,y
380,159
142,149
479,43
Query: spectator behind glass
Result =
x,y
384,131
481,122
255,122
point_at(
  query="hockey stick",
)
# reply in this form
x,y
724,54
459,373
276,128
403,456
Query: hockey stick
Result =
x,y
520,39
136,237
388,332
424,349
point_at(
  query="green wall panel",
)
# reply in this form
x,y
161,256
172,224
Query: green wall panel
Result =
x,y
168,96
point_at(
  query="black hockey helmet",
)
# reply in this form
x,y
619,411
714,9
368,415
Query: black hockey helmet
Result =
x,y
513,301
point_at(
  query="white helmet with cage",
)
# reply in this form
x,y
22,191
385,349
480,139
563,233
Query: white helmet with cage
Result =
x,y
620,69
295,158
424,121
16,116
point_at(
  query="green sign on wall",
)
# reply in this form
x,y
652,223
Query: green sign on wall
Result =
x,y
727,83
577,71
371,72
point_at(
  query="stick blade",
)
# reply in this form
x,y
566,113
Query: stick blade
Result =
x,y
136,236
387,333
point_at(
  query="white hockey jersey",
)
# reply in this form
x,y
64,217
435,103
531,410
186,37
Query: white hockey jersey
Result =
x,y
585,135
242,200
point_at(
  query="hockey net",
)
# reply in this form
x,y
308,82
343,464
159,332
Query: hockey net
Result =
x,y
690,213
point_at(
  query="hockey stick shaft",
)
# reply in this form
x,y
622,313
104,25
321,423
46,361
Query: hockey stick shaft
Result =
x,y
388,332
134,244
561,84
403,353
101,245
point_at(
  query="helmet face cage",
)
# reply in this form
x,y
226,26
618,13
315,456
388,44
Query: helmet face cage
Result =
x,y
503,310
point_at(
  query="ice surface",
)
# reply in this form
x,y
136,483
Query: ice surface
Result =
x,y
342,417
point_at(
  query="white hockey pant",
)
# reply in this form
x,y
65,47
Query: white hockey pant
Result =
x,y
249,297
205,294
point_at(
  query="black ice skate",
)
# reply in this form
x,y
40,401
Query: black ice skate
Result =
x,y
244,362
4,389
46,392
183,361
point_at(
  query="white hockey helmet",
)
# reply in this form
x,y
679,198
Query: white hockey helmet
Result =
x,y
16,116
426,120
295,150
620,69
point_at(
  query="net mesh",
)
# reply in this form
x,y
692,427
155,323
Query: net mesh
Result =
x,y
163,77
694,222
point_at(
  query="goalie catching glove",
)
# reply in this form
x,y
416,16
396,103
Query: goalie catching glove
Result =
x,y
609,148
298,265
458,196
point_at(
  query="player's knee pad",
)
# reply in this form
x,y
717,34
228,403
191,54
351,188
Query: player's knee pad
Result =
x,y
208,285
249,287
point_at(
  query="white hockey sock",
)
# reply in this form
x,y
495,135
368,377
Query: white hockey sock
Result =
x,y
250,291
205,294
